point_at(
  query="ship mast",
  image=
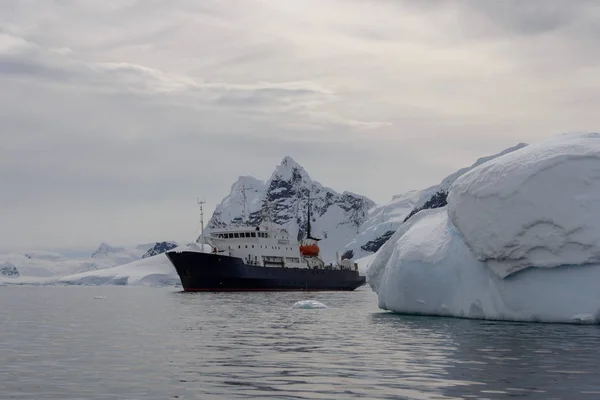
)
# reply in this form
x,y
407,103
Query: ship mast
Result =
x,y
268,208
244,201
308,235
308,231
201,237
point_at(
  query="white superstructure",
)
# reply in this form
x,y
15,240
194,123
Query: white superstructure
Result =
x,y
266,246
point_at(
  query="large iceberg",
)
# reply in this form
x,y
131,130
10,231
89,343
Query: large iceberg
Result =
x,y
536,207
150,271
519,240
154,270
382,221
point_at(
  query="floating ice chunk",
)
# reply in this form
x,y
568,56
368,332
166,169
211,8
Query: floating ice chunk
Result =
x,y
309,304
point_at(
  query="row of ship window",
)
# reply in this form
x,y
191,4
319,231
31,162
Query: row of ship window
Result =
x,y
238,235
272,247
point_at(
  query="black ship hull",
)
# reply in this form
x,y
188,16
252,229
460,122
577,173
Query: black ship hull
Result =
x,y
214,272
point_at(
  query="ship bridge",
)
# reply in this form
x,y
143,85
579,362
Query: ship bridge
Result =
x,y
257,245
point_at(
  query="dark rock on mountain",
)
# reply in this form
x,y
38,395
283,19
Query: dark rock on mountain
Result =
x,y
159,248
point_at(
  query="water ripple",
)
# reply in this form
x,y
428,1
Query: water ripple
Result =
x,y
61,343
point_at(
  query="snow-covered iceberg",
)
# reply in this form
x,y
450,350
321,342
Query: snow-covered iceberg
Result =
x,y
150,271
537,207
382,221
142,264
38,267
535,211
155,270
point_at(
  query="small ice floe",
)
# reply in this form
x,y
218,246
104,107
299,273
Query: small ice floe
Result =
x,y
308,304
98,297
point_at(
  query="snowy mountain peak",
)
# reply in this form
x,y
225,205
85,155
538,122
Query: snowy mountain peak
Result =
x,y
249,182
290,170
159,248
104,250
289,162
120,255
284,200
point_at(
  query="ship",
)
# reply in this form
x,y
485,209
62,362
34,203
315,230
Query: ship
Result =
x,y
261,257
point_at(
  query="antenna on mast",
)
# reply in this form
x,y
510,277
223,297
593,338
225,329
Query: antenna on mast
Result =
x,y
201,237
267,213
244,201
308,217
308,233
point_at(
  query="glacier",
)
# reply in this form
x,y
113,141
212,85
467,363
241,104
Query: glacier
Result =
x,y
154,270
383,220
518,240
142,264
150,271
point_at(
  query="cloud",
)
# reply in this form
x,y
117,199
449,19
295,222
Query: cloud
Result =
x,y
528,18
109,108
21,58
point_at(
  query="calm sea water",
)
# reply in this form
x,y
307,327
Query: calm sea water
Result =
x,y
159,343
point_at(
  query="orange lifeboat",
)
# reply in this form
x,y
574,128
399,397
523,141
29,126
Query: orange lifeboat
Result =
x,y
310,250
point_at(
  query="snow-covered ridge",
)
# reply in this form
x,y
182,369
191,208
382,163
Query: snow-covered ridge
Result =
x,y
284,199
154,270
436,196
42,267
535,211
381,223
384,220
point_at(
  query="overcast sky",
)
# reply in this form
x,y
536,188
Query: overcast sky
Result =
x,y
116,115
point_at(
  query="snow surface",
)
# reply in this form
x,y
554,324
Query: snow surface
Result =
x,y
120,255
537,207
449,180
382,219
42,266
151,271
426,268
526,211
107,265
388,217
364,263
232,205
